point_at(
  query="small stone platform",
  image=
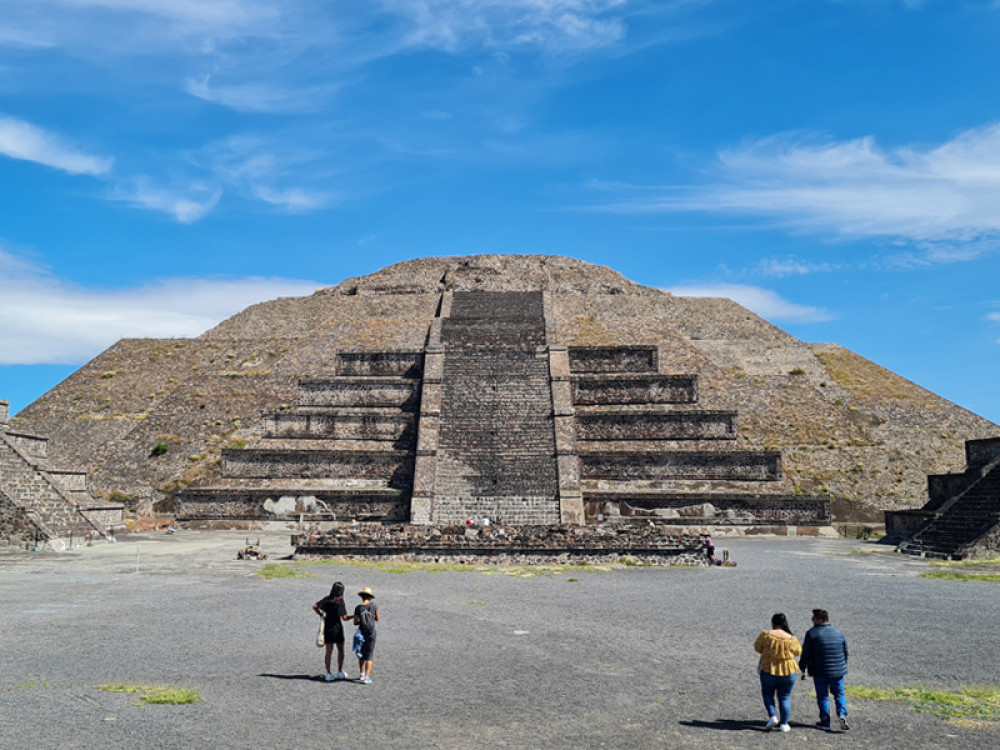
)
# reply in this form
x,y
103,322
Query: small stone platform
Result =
x,y
556,543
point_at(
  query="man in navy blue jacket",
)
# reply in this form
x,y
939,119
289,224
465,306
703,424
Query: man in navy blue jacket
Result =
x,y
824,657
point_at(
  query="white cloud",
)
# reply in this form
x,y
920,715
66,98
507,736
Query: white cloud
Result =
x,y
782,267
192,14
186,205
945,194
766,303
48,321
994,317
262,169
258,97
294,200
22,140
552,25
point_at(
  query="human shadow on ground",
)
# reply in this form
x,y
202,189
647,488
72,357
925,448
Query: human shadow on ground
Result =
x,y
308,677
727,725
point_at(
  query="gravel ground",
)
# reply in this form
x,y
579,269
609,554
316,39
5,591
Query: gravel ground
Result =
x,y
627,658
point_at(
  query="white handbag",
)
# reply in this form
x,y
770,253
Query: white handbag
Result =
x,y
320,640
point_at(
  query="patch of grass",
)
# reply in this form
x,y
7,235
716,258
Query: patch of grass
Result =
x,y
156,695
518,571
977,706
475,604
33,683
281,570
961,563
954,575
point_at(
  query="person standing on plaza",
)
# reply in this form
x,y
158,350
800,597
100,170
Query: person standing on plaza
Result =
x,y
331,608
365,617
777,648
824,658
709,549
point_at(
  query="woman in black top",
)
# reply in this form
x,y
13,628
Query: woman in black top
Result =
x,y
333,610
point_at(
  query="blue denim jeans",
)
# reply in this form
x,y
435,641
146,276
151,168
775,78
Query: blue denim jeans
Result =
x,y
826,685
771,684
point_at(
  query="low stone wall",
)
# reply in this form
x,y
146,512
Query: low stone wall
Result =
x,y
270,505
594,390
979,453
679,425
398,364
399,392
902,524
503,544
613,358
714,509
943,487
394,467
341,426
15,527
731,465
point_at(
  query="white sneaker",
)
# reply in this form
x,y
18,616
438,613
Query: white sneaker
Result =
x,y
784,728
366,680
361,677
329,677
771,723
341,676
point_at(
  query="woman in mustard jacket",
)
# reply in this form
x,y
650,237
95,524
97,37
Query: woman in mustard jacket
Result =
x,y
777,648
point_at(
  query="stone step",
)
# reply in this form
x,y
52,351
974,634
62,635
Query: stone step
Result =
x,y
394,467
355,424
613,359
794,510
290,501
670,425
723,465
403,393
634,389
367,364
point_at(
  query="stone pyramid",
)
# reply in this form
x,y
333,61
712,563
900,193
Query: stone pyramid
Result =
x,y
533,387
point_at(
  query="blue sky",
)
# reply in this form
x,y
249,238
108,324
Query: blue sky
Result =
x,y
832,164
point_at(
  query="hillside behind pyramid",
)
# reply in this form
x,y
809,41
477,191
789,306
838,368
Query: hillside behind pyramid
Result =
x,y
149,417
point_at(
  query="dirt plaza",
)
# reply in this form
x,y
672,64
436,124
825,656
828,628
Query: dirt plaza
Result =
x,y
529,658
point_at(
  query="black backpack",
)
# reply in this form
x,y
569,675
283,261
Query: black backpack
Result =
x,y
366,618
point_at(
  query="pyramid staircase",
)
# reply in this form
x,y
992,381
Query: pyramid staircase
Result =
x,y
43,504
345,452
964,508
496,420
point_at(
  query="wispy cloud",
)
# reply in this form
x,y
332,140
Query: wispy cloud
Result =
x,y
186,204
554,25
293,200
779,268
765,302
257,97
994,317
264,169
49,321
193,15
944,196
22,140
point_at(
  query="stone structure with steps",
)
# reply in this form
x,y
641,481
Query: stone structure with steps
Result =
x,y
40,503
346,452
495,419
962,516
629,367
